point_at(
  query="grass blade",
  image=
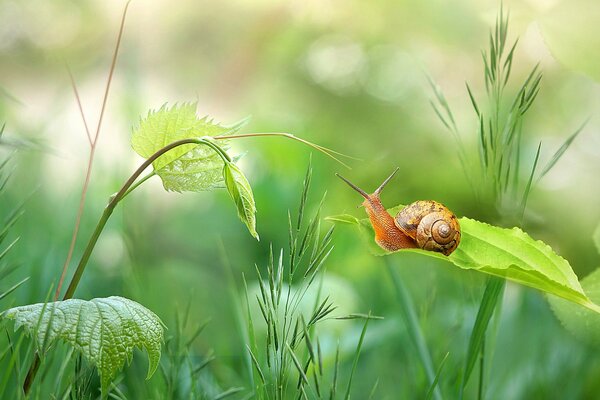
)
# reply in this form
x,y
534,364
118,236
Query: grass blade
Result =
x,y
437,378
529,182
13,288
336,371
409,315
493,290
357,355
562,150
228,392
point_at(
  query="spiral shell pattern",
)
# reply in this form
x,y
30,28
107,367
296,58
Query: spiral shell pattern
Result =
x,y
431,224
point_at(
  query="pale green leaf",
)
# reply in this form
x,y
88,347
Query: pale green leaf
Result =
x,y
582,323
507,253
191,167
104,330
240,191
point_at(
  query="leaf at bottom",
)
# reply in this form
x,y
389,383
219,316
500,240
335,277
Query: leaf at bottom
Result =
x,y
104,330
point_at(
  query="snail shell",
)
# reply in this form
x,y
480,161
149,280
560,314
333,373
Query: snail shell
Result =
x,y
431,224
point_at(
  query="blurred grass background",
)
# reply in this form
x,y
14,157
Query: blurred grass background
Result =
x,y
348,75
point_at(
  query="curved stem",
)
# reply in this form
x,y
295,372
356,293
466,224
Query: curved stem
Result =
x,y
127,187
138,183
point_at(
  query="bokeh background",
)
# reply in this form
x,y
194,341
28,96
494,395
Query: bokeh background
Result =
x,y
349,75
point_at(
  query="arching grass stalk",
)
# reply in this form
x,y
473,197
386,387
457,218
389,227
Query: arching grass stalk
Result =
x,y
328,152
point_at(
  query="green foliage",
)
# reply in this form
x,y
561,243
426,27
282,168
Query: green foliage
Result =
x,y
501,181
240,191
104,330
507,253
582,323
204,165
7,268
292,342
190,167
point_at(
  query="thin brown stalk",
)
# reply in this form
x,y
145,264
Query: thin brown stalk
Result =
x,y
76,92
93,141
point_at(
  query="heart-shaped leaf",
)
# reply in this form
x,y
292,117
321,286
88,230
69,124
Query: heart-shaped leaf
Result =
x,y
104,330
507,253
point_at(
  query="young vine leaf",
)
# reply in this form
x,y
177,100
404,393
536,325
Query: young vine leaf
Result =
x,y
240,191
507,253
191,167
104,330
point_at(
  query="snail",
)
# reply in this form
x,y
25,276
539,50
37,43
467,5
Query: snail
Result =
x,y
424,224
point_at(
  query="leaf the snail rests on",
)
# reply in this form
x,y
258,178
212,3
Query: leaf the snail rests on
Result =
x,y
424,224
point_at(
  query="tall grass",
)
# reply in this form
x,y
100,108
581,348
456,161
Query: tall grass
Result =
x,y
504,174
288,363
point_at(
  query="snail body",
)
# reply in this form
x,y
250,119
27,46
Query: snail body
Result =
x,y
424,224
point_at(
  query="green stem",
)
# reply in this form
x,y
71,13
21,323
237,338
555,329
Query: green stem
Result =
x,y
127,188
138,183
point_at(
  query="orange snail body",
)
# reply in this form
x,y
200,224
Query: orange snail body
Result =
x,y
424,224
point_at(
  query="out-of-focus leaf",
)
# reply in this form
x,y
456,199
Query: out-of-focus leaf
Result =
x,y
240,191
597,238
582,323
104,330
572,33
191,167
507,253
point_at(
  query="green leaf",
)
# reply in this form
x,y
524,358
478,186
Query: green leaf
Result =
x,y
190,167
582,323
240,191
104,330
507,253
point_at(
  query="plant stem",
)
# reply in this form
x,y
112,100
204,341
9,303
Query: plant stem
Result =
x,y
127,187
138,183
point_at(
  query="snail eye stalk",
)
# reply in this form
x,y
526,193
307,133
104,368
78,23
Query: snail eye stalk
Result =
x,y
353,186
389,178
